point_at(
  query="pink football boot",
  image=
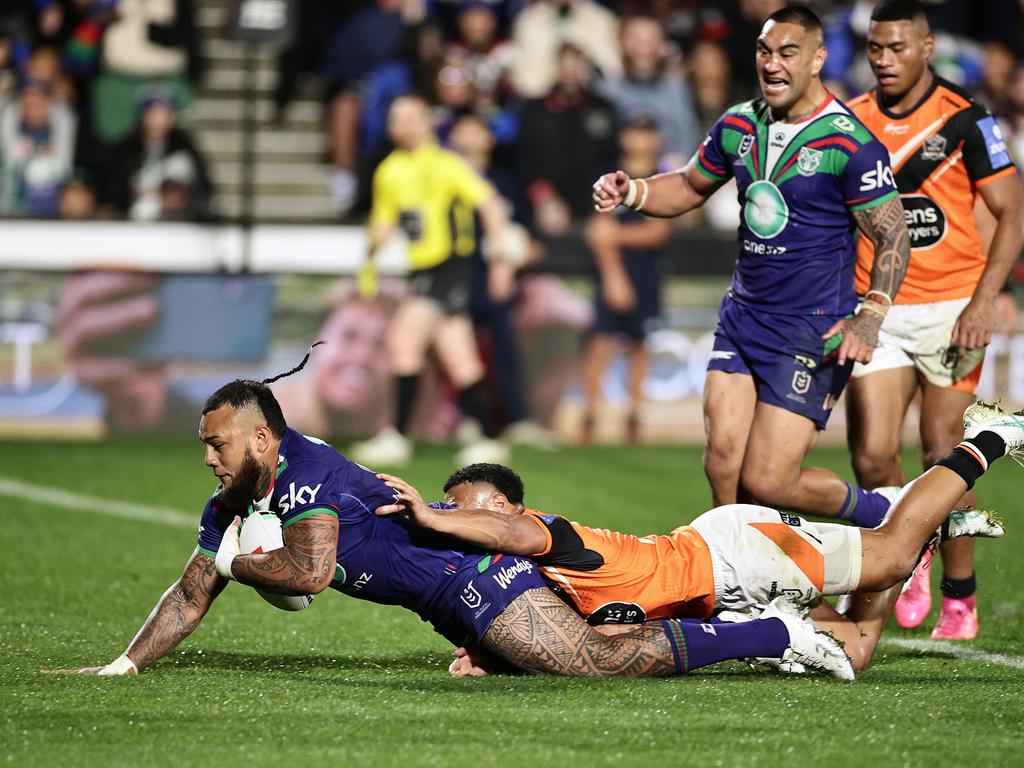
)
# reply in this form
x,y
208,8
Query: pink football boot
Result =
x,y
916,600
958,620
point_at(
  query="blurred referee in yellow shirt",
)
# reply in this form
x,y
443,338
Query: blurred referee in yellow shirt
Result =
x,y
416,189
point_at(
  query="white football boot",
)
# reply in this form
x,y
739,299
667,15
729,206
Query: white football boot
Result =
x,y
484,451
388,448
989,417
808,646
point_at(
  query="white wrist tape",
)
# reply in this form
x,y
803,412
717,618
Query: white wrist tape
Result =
x,y
122,665
227,552
630,199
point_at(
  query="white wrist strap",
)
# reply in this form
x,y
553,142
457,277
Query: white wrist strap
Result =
x,y
122,665
630,199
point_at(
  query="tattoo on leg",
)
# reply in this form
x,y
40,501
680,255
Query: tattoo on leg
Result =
x,y
539,633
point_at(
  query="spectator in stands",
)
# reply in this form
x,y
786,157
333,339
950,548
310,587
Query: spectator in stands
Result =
x,y
652,86
368,39
487,56
77,199
564,138
541,30
151,44
627,248
711,78
37,145
159,151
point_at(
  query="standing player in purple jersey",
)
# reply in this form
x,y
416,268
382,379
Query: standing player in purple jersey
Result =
x,y
809,173
333,538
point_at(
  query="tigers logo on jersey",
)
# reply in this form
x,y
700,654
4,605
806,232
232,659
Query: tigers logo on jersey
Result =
x,y
934,148
808,161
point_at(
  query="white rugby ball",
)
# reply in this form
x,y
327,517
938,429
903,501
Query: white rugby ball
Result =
x,y
262,533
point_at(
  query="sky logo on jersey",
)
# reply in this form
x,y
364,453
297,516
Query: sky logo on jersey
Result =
x,y
507,575
994,142
879,178
765,212
305,495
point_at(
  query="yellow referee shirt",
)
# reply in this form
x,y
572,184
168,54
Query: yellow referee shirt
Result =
x,y
420,191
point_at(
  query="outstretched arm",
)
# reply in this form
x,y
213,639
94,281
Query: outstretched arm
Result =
x,y
664,195
177,613
303,566
512,534
885,226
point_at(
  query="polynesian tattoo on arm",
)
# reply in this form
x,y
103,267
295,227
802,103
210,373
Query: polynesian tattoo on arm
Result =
x,y
178,611
539,633
885,226
304,565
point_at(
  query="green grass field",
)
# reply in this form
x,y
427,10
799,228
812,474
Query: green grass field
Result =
x,y
350,683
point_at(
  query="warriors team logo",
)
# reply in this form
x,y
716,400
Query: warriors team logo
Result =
x,y
808,161
765,212
745,144
934,148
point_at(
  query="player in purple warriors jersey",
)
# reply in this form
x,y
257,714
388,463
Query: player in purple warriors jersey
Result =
x,y
808,173
326,505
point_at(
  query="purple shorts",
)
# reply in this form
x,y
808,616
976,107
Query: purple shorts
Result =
x,y
792,366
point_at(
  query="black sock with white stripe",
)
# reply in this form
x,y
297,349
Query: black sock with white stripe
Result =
x,y
971,458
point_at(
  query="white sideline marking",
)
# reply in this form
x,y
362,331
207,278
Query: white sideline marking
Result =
x,y
78,501
952,649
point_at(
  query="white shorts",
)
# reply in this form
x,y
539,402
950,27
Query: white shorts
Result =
x,y
759,553
918,335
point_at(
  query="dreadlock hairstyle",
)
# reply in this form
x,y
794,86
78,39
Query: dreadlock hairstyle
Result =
x,y
505,480
247,393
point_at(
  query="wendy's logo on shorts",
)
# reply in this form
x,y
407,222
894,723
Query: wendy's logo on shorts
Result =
x,y
801,382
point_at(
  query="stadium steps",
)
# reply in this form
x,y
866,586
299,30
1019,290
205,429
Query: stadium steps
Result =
x,y
291,175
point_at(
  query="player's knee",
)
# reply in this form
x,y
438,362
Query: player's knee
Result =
x,y
873,466
766,486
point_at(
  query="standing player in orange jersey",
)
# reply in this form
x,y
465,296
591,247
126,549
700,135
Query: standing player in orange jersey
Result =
x,y
945,150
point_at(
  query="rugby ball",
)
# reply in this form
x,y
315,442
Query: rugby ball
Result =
x,y
262,533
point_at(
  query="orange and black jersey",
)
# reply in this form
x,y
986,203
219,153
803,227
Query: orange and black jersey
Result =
x,y
942,151
616,578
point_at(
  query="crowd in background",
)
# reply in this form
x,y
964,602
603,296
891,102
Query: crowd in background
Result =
x,y
93,89
91,93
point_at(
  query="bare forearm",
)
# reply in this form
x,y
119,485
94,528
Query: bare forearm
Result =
x,y
1002,254
177,613
485,529
653,233
540,634
670,194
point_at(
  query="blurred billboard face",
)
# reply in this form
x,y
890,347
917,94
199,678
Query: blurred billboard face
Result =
x,y
352,369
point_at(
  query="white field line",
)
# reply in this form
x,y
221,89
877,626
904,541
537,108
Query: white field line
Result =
x,y
948,648
42,494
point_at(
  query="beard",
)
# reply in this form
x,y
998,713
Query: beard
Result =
x,y
250,482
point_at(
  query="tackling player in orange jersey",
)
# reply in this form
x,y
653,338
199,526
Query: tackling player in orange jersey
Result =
x,y
736,558
946,151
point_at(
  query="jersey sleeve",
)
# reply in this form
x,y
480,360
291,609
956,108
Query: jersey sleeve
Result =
x,y
710,158
467,185
214,522
867,179
985,152
307,490
565,547
384,209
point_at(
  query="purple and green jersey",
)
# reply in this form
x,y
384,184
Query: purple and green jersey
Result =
x,y
799,185
382,559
